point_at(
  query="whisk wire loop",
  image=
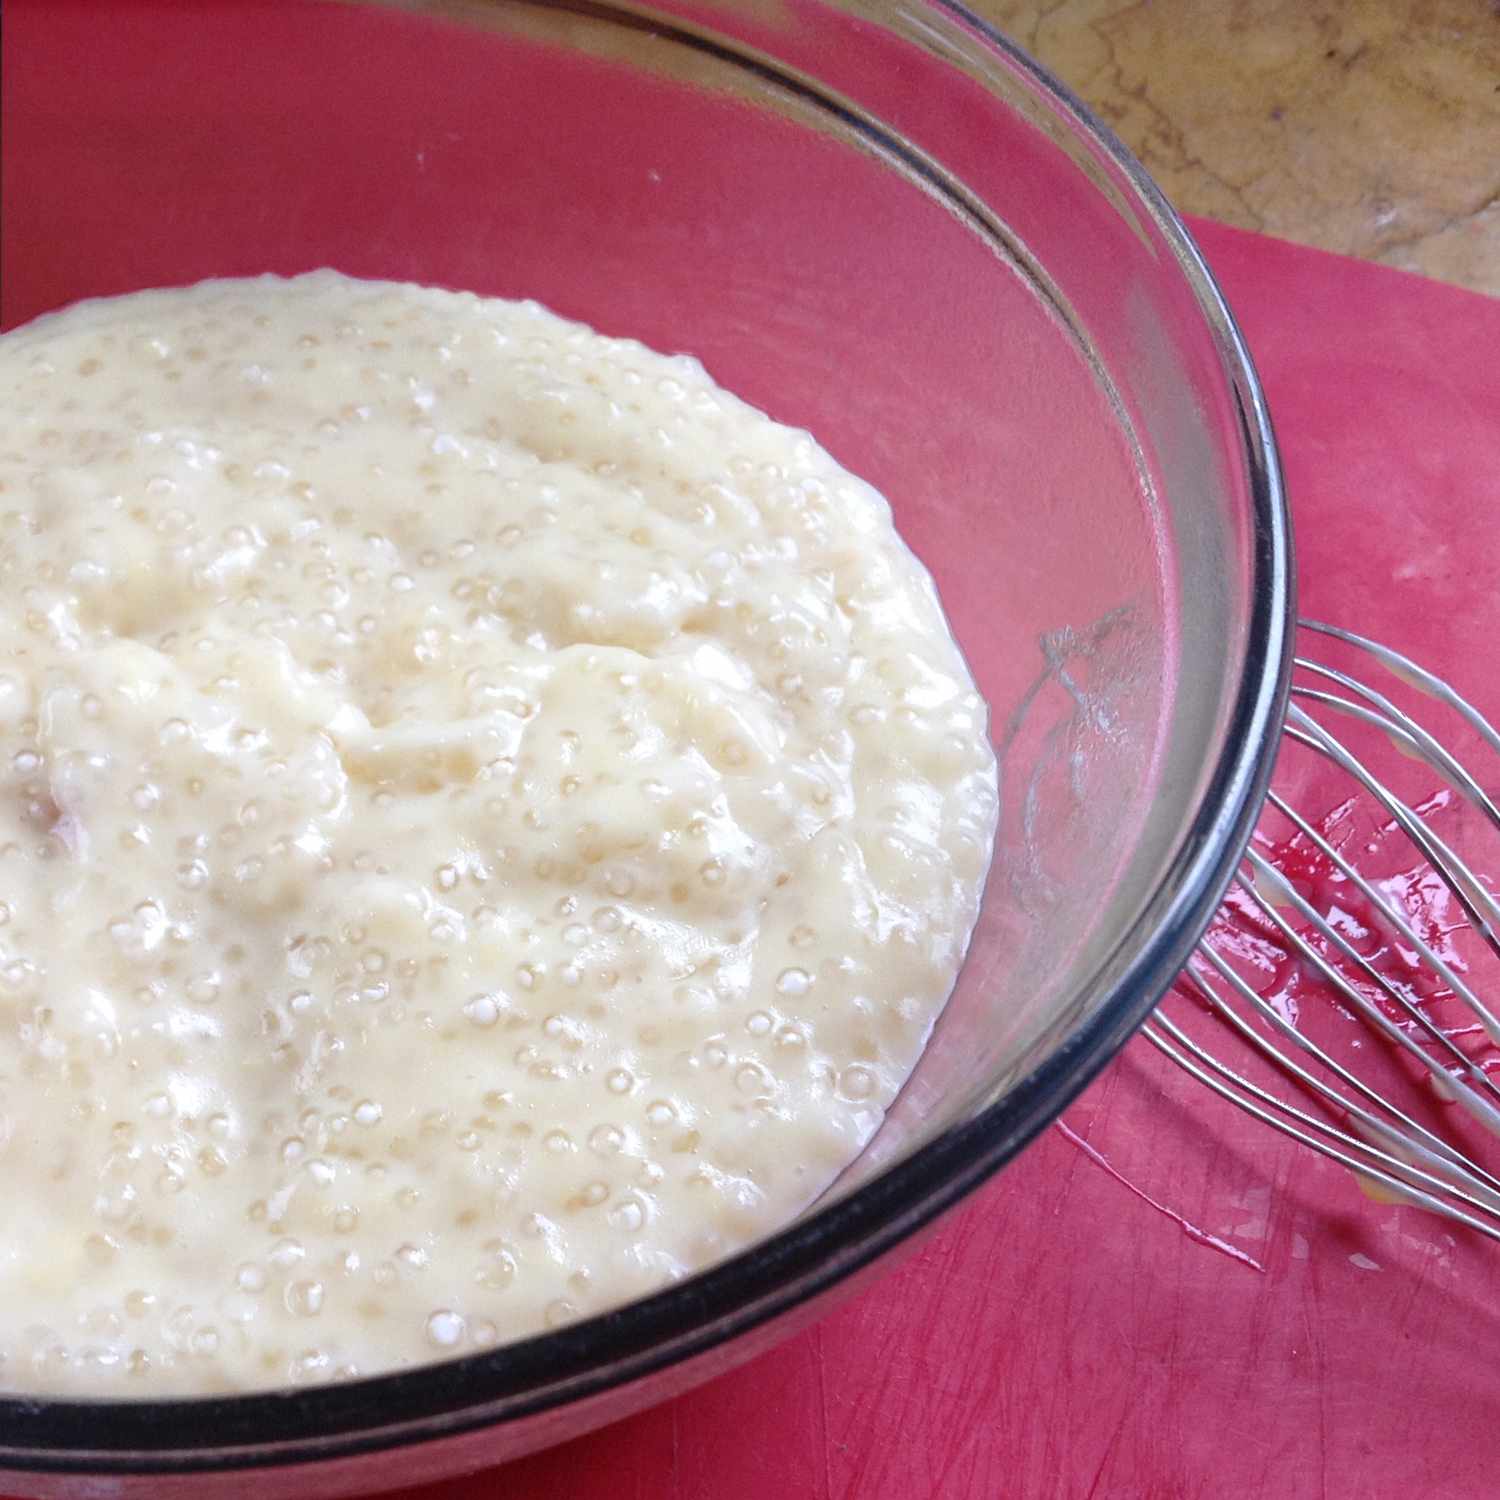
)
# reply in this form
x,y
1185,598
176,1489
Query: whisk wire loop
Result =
x,y
1347,1119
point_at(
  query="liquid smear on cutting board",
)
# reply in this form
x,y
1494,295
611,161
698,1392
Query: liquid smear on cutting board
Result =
x,y
1305,998
1261,955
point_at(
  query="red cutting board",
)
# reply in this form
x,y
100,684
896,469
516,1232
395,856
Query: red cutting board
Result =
x,y
1061,1337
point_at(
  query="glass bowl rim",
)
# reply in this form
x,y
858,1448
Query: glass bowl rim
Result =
x,y
184,1434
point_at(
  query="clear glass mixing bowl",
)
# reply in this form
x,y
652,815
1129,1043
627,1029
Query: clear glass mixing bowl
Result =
x,y
877,220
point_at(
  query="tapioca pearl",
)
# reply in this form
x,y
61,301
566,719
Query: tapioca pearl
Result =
x,y
857,1083
304,1299
205,988
752,1080
629,1214
411,1257
793,982
117,1206
250,1277
100,1249
590,1195
733,754
482,1010
18,973
204,1340
558,1312
138,1303
714,1055
445,1328
286,1253
498,1266
565,1030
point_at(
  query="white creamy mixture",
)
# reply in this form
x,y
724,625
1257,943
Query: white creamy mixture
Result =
x,y
488,822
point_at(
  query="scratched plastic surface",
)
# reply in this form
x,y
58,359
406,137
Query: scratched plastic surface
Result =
x,y
1190,1307
1253,1324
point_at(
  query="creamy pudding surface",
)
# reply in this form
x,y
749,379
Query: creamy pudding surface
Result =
x,y
489,822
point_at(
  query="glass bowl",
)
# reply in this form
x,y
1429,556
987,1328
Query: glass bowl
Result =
x,y
878,221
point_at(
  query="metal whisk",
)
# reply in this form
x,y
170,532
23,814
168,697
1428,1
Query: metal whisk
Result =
x,y
1394,987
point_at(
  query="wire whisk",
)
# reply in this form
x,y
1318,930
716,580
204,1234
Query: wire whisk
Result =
x,y
1341,986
